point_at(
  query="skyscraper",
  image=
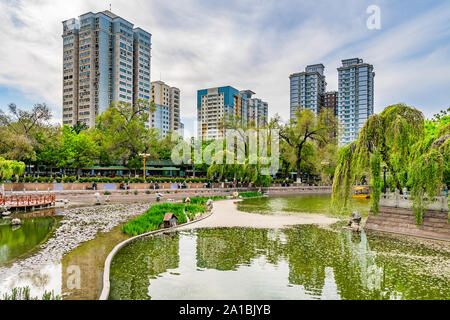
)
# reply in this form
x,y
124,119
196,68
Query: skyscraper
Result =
x,y
105,59
356,98
167,100
307,89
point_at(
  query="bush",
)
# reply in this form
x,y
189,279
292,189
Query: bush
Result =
x,y
202,200
136,192
250,194
147,192
107,193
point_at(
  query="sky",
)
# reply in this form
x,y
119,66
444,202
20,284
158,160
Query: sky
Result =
x,y
247,44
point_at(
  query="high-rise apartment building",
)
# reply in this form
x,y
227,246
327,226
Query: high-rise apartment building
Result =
x,y
307,89
167,101
215,103
330,101
257,111
105,59
356,98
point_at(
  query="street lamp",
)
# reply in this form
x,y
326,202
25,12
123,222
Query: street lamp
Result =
x,y
384,177
145,156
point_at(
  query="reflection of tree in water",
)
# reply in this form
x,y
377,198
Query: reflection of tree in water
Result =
x,y
15,242
137,263
311,250
227,249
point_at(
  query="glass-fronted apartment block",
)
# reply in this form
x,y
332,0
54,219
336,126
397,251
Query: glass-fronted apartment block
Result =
x,y
106,60
307,89
356,98
167,101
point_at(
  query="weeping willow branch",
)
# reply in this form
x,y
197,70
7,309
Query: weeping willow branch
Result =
x,y
396,138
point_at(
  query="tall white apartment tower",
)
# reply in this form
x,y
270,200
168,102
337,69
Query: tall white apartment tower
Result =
x,y
356,98
106,60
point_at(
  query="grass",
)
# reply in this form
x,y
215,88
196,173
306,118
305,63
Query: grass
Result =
x,y
154,217
202,200
24,294
250,195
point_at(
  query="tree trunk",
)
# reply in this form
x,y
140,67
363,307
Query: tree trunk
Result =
x,y
299,162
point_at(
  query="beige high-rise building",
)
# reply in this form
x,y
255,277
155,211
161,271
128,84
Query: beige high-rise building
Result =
x,y
167,101
106,60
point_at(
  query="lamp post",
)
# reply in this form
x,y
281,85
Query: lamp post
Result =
x,y
384,178
145,156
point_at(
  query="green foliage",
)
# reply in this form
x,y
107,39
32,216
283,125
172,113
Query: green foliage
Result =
x,y
202,200
154,217
250,194
10,168
415,154
24,294
306,137
107,193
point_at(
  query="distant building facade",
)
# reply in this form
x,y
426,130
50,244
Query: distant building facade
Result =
x,y
214,103
356,98
167,100
330,101
105,60
307,89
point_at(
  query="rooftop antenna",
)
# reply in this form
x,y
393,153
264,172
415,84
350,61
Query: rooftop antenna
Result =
x,y
110,9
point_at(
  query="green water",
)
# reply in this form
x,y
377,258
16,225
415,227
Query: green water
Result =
x,y
18,240
304,262
319,203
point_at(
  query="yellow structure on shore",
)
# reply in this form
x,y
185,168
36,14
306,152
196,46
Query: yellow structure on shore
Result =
x,y
361,193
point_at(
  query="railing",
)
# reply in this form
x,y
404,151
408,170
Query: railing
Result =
x,y
27,201
405,201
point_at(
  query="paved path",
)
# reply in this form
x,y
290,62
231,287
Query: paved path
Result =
x,y
226,214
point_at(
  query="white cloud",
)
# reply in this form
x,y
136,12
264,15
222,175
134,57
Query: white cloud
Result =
x,y
247,44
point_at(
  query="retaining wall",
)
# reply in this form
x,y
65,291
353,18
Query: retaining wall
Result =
x,y
400,220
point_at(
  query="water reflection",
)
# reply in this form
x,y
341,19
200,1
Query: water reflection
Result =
x,y
18,240
315,203
305,262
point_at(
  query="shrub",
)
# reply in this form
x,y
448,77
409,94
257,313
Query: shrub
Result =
x,y
202,200
250,194
136,192
107,193
147,192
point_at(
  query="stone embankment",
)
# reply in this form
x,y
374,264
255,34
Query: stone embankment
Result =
x,y
77,226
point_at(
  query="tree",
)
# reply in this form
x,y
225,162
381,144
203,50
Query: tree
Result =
x,y
306,130
10,168
77,150
79,126
397,139
21,130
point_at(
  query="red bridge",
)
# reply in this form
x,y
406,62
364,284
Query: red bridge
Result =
x,y
27,202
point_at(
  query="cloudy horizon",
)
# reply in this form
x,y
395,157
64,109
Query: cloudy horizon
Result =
x,y
247,44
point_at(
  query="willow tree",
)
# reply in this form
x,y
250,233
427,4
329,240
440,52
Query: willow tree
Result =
x,y
396,139
307,130
10,168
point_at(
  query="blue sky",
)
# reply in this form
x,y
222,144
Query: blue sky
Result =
x,y
246,44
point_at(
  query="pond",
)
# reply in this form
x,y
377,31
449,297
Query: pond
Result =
x,y
18,240
309,203
302,262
